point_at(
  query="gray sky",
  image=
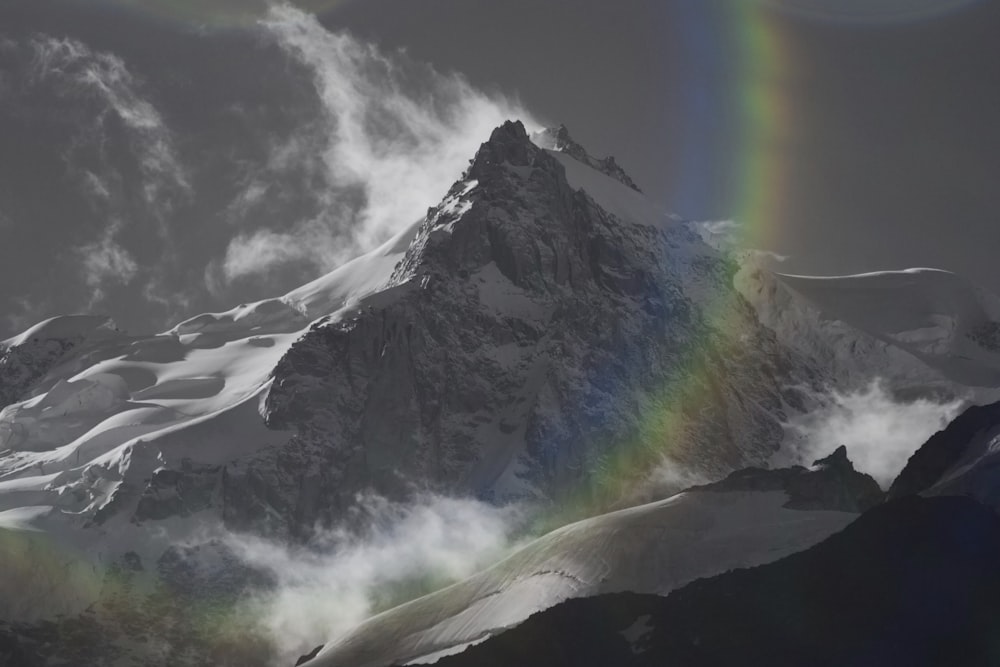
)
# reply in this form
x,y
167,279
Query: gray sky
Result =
x,y
152,168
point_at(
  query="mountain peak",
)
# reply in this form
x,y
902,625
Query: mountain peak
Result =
x,y
511,128
508,143
838,459
559,139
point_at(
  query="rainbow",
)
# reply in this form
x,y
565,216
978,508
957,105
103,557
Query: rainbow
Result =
x,y
766,121
749,45
755,109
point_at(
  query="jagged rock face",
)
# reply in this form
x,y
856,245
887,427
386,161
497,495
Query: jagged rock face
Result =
x,y
832,484
959,459
849,600
525,334
558,138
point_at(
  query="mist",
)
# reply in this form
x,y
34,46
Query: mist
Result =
x,y
879,431
385,554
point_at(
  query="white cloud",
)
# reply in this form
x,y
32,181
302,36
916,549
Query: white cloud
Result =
x,y
104,77
720,234
879,431
101,86
257,252
347,574
106,262
729,236
393,136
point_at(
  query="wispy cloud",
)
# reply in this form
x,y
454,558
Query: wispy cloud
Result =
x,y
104,77
111,100
106,262
730,236
879,431
346,574
392,137
260,251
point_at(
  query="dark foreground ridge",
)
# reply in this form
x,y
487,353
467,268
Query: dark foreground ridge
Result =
x,y
912,582
943,450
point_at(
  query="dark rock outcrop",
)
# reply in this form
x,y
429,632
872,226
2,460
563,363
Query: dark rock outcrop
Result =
x,y
308,656
944,449
831,484
558,138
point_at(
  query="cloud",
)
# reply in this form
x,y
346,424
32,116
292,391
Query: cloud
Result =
x,y
104,78
879,431
720,234
391,137
106,262
109,103
729,236
252,253
347,574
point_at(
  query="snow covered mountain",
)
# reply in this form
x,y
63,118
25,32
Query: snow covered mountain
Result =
x,y
544,334
937,316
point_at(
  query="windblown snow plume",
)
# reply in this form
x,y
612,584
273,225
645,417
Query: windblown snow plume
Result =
x,y
392,137
392,553
879,431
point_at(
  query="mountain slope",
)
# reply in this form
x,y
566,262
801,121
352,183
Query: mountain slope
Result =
x,y
939,317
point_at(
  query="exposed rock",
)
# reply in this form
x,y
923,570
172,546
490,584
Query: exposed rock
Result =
x,y
831,484
558,138
944,449
178,492
308,656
